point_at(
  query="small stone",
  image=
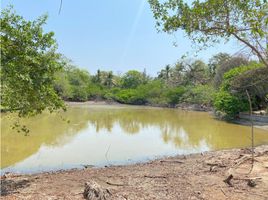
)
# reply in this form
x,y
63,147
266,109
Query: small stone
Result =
x,y
251,183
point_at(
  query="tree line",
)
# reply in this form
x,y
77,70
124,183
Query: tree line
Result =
x,y
221,83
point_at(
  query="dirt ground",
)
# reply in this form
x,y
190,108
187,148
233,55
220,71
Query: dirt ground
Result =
x,y
197,176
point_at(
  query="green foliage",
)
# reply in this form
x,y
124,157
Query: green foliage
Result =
x,y
188,82
229,76
196,73
62,85
28,64
229,104
201,94
207,22
95,91
72,83
232,100
227,65
174,95
216,61
132,79
165,73
130,96
155,92
252,78
79,94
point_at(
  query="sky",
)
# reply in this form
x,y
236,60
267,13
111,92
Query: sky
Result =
x,y
117,35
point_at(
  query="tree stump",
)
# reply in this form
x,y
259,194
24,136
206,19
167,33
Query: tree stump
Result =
x,y
93,191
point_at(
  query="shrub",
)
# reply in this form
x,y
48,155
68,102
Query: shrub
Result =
x,y
232,97
201,94
130,96
79,94
229,104
174,95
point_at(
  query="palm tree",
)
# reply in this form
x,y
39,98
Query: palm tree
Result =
x,y
167,72
98,79
109,79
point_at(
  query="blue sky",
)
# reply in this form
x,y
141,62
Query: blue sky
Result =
x,y
116,35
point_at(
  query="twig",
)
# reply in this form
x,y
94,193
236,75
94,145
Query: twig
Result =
x,y
172,161
241,160
148,176
216,165
253,178
223,192
114,184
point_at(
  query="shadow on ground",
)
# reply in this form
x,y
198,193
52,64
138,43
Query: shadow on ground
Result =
x,y
10,186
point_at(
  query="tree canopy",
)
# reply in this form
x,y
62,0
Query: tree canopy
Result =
x,y
208,21
28,63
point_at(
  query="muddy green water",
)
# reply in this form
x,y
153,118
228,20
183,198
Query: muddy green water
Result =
x,y
105,135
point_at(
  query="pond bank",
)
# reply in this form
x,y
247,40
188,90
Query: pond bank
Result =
x,y
196,176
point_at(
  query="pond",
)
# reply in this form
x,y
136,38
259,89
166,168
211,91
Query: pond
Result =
x,y
100,135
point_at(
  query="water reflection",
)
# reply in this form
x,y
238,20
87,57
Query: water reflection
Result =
x,y
133,133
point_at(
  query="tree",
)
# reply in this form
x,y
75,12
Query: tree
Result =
x,y
224,67
132,79
109,79
253,81
97,77
28,63
233,95
165,73
216,61
195,72
177,74
208,21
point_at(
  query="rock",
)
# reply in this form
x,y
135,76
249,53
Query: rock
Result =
x,y
93,191
251,183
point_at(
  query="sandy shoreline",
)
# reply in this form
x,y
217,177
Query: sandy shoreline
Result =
x,y
196,176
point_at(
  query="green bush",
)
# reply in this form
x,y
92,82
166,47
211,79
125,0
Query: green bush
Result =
x,y
201,94
79,94
232,99
174,95
155,92
229,104
230,75
132,79
130,96
95,91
